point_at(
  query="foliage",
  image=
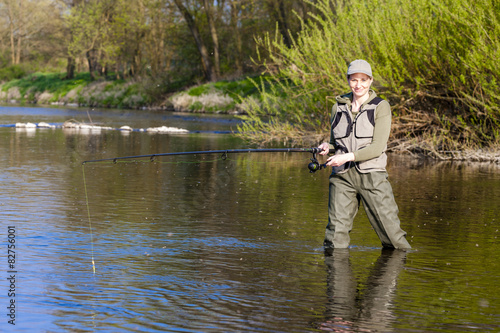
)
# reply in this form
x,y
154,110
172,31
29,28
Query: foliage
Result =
x,y
139,38
235,88
50,82
432,58
97,28
32,34
43,88
11,72
82,90
221,96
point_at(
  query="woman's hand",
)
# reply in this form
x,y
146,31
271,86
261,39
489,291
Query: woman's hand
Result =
x,y
325,148
338,160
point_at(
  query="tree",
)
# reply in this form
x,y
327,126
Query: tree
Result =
x,y
213,32
164,39
278,13
71,63
208,68
234,22
97,28
32,24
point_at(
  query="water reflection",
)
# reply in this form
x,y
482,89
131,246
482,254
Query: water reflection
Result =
x,y
365,306
203,245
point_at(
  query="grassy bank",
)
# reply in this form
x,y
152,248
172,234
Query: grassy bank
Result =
x,y
55,89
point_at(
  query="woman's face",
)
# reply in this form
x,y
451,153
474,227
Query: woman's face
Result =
x,y
360,84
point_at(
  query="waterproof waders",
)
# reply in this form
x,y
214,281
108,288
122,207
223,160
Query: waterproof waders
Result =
x,y
373,189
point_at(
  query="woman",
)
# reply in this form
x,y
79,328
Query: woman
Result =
x,y
360,128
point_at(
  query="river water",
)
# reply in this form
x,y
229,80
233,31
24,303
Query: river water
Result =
x,y
202,244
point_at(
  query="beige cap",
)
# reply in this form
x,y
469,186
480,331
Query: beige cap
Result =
x,y
359,66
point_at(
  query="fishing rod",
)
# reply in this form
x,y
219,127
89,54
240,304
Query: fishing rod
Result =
x,y
313,166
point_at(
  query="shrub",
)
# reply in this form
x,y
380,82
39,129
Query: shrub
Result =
x,y
11,73
206,102
432,59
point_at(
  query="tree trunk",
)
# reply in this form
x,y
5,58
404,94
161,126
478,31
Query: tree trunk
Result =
x,y
137,59
19,32
12,38
71,62
213,33
93,64
70,68
237,37
12,45
278,12
205,57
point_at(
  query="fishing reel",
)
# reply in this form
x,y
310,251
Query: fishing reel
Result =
x,y
315,165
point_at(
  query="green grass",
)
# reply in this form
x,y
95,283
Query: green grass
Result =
x,y
210,93
50,82
243,87
13,72
114,93
124,94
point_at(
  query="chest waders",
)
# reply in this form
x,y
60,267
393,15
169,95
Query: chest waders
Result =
x,y
360,182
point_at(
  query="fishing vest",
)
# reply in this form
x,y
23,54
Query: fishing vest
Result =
x,y
351,135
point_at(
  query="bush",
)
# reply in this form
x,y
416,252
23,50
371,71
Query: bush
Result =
x,y
51,82
11,73
221,96
52,87
432,59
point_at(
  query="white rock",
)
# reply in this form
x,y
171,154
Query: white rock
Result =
x,y
45,125
25,125
69,125
165,129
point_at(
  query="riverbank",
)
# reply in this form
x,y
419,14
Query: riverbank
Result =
x,y
409,136
420,147
82,91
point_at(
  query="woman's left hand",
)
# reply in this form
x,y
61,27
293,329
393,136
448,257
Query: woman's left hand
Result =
x,y
338,160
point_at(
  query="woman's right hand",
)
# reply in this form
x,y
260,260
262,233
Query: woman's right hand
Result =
x,y
325,148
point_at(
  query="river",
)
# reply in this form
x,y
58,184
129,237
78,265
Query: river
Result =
x,y
199,243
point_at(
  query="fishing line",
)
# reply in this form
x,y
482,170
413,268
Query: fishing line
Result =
x,y
126,162
313,167
88,214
